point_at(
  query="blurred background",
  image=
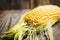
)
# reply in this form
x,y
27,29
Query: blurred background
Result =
x,y
11,10
25,4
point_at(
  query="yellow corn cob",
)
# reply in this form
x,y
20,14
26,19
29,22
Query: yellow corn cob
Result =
x,y
43,14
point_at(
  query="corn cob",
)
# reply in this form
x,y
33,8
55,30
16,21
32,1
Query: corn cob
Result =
x,y
43,14
38,19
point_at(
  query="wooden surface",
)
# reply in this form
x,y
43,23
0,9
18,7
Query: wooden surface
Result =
x,y
9,18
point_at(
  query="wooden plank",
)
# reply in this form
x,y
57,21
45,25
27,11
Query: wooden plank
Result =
x,y
31,4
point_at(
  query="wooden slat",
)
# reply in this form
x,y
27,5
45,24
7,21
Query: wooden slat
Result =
x,y
31,4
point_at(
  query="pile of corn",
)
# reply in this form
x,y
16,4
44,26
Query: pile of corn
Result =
x,y
38,19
